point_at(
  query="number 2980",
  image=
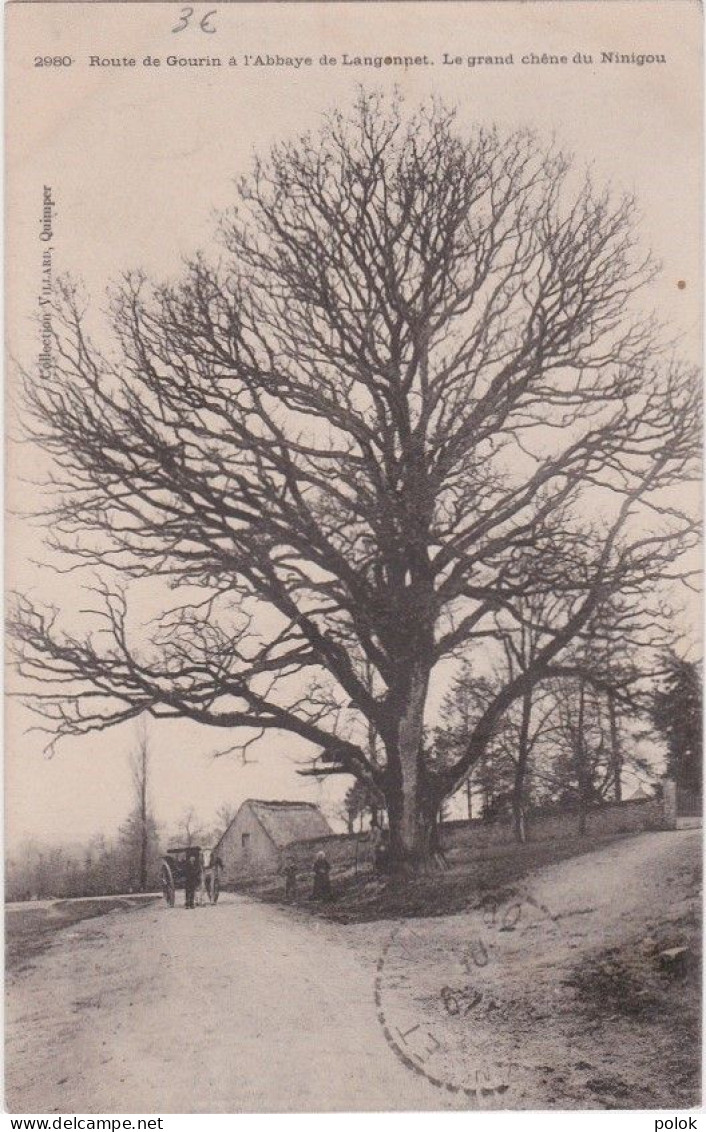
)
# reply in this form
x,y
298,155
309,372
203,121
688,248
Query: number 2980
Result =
x,y
52,60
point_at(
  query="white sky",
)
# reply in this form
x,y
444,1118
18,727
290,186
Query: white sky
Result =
x,y
138,160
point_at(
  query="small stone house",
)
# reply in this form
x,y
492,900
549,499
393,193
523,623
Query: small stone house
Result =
x,y
255,842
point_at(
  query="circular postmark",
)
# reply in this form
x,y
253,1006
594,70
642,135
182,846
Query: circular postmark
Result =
x,y
457,997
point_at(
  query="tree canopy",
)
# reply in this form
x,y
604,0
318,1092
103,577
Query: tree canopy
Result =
x,y
414,389
677,713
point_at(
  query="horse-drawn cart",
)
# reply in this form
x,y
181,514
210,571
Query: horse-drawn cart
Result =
x,y
173,874
174,868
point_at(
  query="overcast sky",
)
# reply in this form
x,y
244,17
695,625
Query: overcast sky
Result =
x,y
139,159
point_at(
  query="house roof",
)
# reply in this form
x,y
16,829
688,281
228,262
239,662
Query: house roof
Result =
x,y
285,822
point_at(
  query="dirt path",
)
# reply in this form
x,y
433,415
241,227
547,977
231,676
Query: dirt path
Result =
x,y
233,1008
555,996
244,1007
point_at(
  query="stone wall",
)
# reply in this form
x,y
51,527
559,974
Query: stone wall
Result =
x,y
340,849
615,817
474,837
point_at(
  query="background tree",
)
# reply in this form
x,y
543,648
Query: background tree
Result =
x,y
504,774
415,390
677,714
582,766
139,835
468,696
224,816
362,800
190,830
525,724
616,655
577,767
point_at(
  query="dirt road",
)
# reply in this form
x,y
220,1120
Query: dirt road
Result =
x,y
232,1008
245,1007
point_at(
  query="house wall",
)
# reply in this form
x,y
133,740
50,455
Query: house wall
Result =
x,y
256,858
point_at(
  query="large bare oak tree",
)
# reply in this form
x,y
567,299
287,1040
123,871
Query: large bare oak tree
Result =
x,y
414,390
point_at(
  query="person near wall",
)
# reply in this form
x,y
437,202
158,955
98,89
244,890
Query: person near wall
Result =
x,y
322,877
381,851
290,880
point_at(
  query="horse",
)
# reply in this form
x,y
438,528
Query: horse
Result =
x,y
210,877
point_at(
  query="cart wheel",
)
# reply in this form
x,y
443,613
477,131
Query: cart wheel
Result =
x,y
168,891
215,889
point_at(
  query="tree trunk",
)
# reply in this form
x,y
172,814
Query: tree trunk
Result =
x,y
414,834
144,829
412,808
140,777
519,820
615,752
581,769
518,790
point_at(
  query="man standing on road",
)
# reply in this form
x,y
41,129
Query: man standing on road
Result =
x,y
192,875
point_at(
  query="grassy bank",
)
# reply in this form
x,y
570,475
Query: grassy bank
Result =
x,y
29,929
461,884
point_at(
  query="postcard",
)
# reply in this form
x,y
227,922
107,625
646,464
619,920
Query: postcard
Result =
x,y
353,556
